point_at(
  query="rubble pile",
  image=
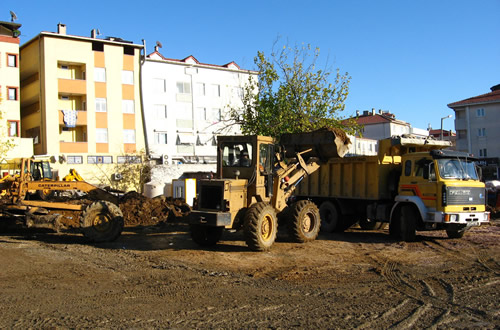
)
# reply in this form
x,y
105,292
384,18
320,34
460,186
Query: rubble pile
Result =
x,y
139,210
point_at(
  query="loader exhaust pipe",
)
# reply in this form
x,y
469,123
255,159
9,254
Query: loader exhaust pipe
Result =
x,y
326,143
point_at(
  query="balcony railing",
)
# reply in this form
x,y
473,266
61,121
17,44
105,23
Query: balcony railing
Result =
x,y
72,86
460,124
81,118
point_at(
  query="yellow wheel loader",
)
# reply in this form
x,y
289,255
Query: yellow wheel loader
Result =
x,y
254,181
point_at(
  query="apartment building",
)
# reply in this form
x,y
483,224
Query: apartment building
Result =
x,y
10,124
186,103
80,100
477,122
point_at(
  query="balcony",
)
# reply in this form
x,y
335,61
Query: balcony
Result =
x,y
72,86
81,118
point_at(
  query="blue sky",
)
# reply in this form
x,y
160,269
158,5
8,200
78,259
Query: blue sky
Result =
x,y
408,57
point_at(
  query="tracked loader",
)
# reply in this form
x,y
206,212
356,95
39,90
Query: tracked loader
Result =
x,y
254,181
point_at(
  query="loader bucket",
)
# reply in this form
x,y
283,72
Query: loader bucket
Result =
x,y
326,143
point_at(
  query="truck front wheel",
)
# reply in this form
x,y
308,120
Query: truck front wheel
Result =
x,y
304,222
408,223
205,235
260,226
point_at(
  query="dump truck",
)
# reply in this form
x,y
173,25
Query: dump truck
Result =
x,y
413,184
97,215
254,180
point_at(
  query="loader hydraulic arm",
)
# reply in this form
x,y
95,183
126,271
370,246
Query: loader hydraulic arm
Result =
x,y
289,176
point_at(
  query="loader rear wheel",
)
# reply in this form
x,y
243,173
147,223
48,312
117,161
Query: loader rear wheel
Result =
x,y
205,235
305,221
329,217
408,223
260,226
102,221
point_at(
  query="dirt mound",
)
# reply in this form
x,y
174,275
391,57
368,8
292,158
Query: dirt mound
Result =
x,y
140,210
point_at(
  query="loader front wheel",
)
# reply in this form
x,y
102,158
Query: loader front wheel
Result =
x,y
205,235
102,221
260,226
304,221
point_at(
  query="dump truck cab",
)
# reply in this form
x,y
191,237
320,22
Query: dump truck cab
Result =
x,y
443,185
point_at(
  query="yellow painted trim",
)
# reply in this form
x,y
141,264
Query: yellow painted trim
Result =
x,y
73,147
128,92
101,120
100,89
129,147
102,147
128,121
99,59
72,86
128,62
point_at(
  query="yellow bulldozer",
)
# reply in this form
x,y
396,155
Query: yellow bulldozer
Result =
x,y
254,181
99,216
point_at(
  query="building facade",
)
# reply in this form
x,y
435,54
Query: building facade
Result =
x,y
477,122
10,125
80,99
382,124
186,103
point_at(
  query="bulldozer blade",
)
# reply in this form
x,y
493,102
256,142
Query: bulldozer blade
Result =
x,y
325,143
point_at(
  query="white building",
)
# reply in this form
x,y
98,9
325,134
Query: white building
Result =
x,y
185,103
383,124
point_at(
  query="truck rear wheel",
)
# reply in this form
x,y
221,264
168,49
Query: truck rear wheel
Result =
x,y
260,226
304,222
101,221
329,217
408,223
205,235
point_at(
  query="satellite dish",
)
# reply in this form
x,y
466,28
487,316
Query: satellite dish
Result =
x,y
13,16
159,44
98,32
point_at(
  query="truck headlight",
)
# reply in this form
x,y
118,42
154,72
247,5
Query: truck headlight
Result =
x,y
453,217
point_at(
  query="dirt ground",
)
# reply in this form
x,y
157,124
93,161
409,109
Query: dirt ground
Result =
x,y
155,276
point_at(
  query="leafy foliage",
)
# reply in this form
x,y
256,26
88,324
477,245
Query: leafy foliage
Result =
x,y
291,95
6,143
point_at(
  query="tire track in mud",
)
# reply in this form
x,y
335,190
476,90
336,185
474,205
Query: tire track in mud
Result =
x,y
479,256
433,296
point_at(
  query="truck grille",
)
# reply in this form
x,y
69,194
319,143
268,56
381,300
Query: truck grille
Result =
x,y
465,196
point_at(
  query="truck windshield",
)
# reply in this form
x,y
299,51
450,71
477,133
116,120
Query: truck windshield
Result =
x,y
237,154
457,169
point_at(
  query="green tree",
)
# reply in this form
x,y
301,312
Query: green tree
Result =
x,y
6,144
292,95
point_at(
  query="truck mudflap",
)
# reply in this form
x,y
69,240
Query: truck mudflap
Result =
x,y
218,219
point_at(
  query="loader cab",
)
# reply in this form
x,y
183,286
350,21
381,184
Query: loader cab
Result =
x,y
40,170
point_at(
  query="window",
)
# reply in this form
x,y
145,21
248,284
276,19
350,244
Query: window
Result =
x,y
201,113
64,67
159,85
100,105
483,152
461,134
129,159
128,50
237,154
160,111
216,115
216,90
12,60
200,88
481,132
97,46
480,112
128,106
74,159
99,159
183,88
127,77
129,136
408,168
13,126
238,92
161,137
12,93
101,135
100,74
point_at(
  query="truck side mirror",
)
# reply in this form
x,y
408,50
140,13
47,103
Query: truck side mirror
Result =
x,y
479,171
432,172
